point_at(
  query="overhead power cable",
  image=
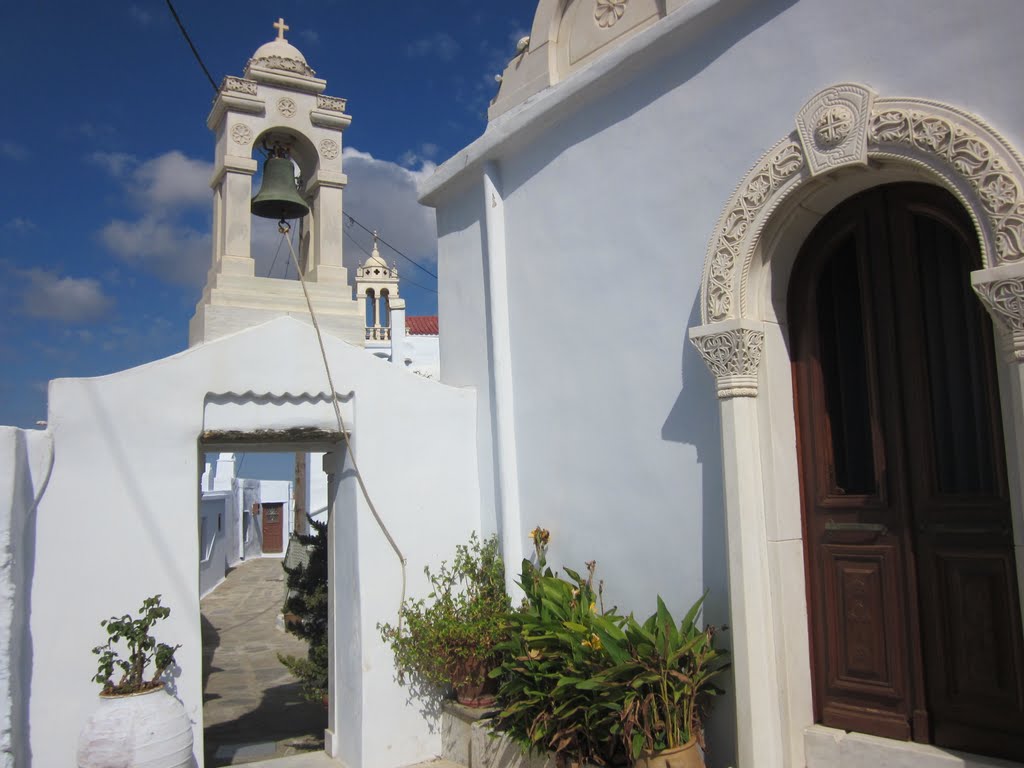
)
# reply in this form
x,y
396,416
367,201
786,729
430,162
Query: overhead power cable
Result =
x,y
357,244
191,45
380,239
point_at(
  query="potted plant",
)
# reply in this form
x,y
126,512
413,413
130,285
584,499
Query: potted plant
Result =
x,y
137,722
598,688
452,640
662,677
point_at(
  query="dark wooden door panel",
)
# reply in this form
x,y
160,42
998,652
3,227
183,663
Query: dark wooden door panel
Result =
x,y
912,582
273,528
861,589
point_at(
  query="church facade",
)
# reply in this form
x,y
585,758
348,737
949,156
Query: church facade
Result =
x,y
750,320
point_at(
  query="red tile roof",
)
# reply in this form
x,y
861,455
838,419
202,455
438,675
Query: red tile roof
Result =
x,y
422,325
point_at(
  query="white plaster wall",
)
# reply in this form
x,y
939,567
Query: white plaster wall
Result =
x,y
610,197
422,355
143,533
214,544
25,462
464,339
316,487
247,493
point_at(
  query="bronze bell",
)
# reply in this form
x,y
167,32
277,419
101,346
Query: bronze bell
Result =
x,y
278,198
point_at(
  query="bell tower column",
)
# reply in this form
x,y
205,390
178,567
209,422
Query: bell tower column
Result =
x,y
328,226
232,184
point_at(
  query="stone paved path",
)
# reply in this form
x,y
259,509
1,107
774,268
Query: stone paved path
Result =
x,y
251,704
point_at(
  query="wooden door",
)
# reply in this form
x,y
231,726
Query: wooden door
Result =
x,y
273,526
915,617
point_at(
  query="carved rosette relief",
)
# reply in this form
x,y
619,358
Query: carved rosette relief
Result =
x,y
329,149
845,125
286,106
330,103
608,12
733,357
241,134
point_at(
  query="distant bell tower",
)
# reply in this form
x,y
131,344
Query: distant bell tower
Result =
x,y
377,285
278,105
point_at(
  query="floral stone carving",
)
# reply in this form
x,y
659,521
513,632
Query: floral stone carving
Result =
x,y
976,159
241,134
286,106
238,85
330,103
845,125
608,12
733,357
329,149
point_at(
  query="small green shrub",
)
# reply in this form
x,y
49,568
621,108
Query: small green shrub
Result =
x,y
143,650
452,640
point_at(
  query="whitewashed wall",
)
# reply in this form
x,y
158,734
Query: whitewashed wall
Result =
x,y
612,183
113,434
214,548
26,459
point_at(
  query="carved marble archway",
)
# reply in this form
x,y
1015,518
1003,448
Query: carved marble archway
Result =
x,y
847,125
743,342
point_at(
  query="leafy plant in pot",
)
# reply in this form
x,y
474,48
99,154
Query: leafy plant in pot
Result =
x,y
452,640
662,679
136,722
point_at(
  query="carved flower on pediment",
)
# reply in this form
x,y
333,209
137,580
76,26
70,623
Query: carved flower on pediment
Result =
x,y
833,126
608,12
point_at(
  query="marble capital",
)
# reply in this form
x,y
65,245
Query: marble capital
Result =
x,y
731,349
1001,290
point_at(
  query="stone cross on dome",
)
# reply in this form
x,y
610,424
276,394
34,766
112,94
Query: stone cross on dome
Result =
x,y
281,28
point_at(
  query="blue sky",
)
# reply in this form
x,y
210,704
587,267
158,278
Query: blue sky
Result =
x,y
105,157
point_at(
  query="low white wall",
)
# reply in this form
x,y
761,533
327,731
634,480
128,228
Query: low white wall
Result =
x,y
114,434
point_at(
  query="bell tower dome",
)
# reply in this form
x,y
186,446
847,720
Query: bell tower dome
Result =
x,y
278,106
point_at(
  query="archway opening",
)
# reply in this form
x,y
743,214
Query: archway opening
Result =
x,y
266,655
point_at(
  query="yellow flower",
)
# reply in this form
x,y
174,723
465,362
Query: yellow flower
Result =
x,y
593,607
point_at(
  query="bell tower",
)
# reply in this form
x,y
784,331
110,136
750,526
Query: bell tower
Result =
x,y
277,108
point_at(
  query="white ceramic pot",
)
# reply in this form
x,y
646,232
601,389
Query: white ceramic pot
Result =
x,y
143,730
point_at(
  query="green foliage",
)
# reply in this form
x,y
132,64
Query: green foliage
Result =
x,y
662,678
308,602
556,643
142,648
596,687
453,639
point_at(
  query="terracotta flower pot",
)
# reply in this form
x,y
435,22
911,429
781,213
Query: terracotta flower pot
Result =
x,y
686,756
147,729
470,693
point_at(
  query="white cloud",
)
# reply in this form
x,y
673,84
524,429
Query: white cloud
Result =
x,y
114,163
12,150
57,297
382,196
164,246
164,188
20,225
440,45
173,179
